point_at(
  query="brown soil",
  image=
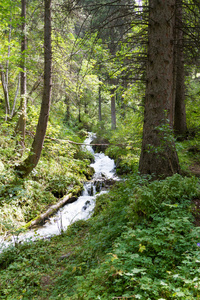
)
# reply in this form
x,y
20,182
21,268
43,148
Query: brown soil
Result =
x,y
196,211
195,170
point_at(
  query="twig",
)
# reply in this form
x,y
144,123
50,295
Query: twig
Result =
x,y
125,297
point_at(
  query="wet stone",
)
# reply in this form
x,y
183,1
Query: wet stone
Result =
x,y
87,204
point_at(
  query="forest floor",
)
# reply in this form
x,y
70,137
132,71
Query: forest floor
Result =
x,y
196,211
142,239
195,169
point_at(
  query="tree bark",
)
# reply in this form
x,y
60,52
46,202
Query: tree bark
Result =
x,y
99,101
158,154
113,109
4,77
79,111
15,99
180,125
67,115
21,128
5,81
5,91
31,162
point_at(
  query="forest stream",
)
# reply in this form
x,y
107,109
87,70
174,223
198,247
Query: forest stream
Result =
x,y
81,209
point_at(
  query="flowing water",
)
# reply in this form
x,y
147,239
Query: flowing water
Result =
x,y
81,209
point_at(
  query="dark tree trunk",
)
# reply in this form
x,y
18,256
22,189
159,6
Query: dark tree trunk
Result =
x,y
5,91
113,109
86,108
180,125
67,115
158,154
30,163
79,112
22,119
99,102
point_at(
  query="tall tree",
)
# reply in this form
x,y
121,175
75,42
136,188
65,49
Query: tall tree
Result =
x,y
100,100
21,128
180,125
158,154
111,19
7,54
113,108
30,163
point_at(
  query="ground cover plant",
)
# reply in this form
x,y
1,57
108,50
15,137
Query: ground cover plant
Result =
x,y
134,83
141,242
62,169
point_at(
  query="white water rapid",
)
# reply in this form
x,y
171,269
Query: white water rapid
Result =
x,y
81,209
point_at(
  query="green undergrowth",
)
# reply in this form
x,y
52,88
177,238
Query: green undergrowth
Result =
x,y
62,169
189,154
141,241
125,142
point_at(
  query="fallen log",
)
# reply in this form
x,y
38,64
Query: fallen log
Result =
x,y
83,144
75,143
41,218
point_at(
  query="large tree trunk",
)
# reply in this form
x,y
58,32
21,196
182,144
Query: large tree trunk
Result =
x,y
22,118
158,154
30,163
180,125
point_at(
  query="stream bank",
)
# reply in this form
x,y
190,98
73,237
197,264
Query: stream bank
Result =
x,y
104,176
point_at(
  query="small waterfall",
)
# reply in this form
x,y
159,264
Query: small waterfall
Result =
x,y
81,209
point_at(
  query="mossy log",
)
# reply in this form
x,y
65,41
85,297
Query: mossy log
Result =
x,y
51,210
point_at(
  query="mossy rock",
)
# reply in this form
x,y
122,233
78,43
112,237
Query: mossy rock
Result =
x,y
89,172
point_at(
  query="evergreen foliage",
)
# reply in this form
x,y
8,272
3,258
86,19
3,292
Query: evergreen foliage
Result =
x,y
143,239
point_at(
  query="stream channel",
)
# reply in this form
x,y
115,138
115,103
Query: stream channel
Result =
x,y
81,209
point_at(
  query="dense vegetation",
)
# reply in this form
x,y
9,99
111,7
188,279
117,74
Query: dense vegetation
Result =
x,y
141,242
143,239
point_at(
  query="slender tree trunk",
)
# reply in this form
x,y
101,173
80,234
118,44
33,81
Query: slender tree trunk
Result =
x,y
113,109
4,77
158,154
99,101
5,91
30,163
113,104
22,119
67,116
16,95
180,125
79,112
5,81
123,106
